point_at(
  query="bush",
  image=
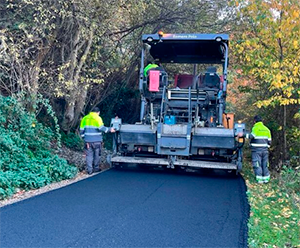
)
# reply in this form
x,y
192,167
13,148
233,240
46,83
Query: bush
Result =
x,y
73,141
290,176
293,137
27,160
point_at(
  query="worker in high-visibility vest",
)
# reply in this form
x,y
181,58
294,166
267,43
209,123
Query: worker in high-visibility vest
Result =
x,y
260,141
91,128
149,67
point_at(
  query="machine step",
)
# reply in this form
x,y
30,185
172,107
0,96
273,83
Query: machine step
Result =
x,y
179,162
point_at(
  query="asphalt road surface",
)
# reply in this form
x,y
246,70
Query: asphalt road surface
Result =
x,y
131,208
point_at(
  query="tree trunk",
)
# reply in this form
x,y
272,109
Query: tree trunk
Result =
x,y
284,134
34,76
77,96
79,106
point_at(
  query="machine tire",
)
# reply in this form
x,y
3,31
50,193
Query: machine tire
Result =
x,y
232,173
143,167
206,171
116,166
180,169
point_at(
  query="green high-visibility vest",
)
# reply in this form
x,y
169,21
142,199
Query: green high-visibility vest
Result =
x,y
148,67
260,135
91,128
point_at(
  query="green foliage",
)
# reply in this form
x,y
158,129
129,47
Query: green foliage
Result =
x,y
291,176
268,50
73,141
45,103
293,136
26,157
265,50
273,215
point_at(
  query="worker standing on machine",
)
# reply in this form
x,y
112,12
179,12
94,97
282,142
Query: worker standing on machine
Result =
x,y
150,65
260,141
91,128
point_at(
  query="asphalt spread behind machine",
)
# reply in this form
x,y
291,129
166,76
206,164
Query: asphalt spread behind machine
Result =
x,y
183,122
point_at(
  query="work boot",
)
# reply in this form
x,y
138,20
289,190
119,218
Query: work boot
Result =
x,y
266,179
97,170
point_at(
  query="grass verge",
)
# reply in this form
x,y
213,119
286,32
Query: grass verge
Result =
x,y
274,216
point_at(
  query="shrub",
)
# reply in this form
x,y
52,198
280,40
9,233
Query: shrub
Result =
x,y
293,137
27,160
290,176
72,140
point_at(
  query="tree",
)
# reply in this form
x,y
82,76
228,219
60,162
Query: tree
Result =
x,y
27,34
81,53
267,52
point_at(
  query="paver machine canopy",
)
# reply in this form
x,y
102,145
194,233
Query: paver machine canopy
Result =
x,y
188,48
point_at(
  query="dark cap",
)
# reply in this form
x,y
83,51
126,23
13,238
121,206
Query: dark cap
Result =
x,y
95,109
257,118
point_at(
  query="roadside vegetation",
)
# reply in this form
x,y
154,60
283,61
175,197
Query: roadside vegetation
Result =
x,y
266,80
28,159
274,210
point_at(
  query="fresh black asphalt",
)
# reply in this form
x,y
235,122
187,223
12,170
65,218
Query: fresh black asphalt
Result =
x,y
131,208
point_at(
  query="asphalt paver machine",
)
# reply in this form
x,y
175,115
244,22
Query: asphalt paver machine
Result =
x,y
183,122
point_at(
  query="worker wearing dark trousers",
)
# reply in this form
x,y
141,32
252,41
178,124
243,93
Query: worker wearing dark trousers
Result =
x,y
93,156
91,129
260,163
260,141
